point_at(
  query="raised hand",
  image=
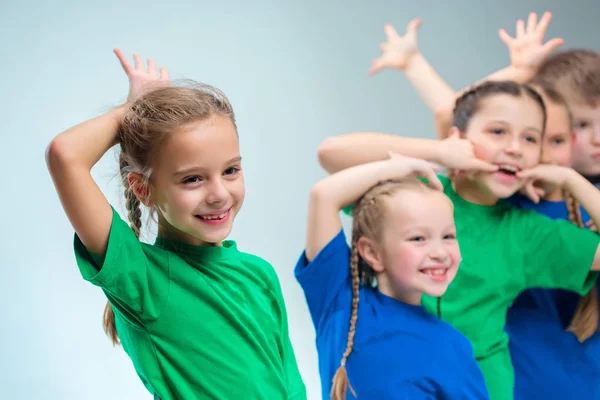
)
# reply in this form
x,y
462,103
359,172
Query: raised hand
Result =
x,y
527,49
141,77
397,50
459,154
408,166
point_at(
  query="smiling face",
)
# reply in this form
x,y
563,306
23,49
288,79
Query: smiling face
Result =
x,y
197,185
507,131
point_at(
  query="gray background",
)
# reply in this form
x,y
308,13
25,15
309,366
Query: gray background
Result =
x,y
295,72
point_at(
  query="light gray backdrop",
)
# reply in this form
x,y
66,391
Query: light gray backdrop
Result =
x,y
295,72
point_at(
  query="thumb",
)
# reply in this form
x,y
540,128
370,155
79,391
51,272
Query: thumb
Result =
x,y
505,37
376,66
552,45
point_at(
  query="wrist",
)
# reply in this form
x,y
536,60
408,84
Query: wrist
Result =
x,y
523,74
571,179
413,63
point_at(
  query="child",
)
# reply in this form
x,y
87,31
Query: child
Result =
x,y
505,249
198,318
403,245
548,361
576,75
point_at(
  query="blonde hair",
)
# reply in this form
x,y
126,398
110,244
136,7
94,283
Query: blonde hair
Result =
x,y
146,124
587,317
368,216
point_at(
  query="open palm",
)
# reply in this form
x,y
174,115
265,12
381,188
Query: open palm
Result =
x,y
527,49
397,50
141,77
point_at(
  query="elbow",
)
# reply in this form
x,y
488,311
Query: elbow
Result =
x,y
326,153
57,154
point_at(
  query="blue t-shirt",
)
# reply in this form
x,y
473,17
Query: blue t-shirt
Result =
x,y
400,351
550,362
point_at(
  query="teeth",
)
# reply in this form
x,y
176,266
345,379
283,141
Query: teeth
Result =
x,y
214,216
509,168
435,272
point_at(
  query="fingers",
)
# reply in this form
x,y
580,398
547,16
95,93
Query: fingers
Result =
x,y
520,28
531,23
531,192
377,65
151,67
124,61
138,62
390,32
434,181
480,165
505,37
543,25
164,74
414,25
552,45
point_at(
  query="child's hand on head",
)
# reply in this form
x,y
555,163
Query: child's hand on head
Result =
x,y
415,167
527,50
544,178
459,154
398,50
140,77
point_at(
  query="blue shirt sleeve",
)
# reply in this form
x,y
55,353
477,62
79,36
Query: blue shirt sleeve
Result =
x,y
325,278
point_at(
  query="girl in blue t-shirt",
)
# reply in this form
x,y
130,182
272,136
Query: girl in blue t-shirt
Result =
x,y
373,335
554,343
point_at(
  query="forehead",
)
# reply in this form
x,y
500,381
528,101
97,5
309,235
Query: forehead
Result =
x,y
519,111
410,207
557,118
200,144
588,111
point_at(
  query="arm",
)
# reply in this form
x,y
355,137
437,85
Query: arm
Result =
x,y
340,152
527,53
335,192
583,191
402,53
72,154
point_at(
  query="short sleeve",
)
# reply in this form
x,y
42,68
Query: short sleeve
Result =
x,y
135,283
558,254
326,277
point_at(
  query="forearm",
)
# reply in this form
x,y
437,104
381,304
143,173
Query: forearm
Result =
x,y
340,152
432,88
84,144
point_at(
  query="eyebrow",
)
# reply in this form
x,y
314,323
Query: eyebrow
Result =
x,y
190,170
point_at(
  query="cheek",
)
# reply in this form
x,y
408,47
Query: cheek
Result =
x,y
237,190
560,155
406,259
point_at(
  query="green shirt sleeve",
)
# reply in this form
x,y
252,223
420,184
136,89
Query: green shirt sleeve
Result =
x,y
558,254
135,283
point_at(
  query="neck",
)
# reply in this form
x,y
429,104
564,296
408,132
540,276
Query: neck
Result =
x,y
411,297
169,232
472,192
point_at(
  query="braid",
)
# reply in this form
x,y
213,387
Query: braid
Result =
x,y
585,321
340,379
134,214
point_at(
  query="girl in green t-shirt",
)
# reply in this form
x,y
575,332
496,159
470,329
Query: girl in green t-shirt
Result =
x,y
494,150
197,317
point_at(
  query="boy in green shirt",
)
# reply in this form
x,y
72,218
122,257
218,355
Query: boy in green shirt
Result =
x,y
493,151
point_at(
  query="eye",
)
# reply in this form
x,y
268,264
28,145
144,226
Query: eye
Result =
x,y
417,239
450,236
581,124
497,131
557,141
531,139
231,171
191,180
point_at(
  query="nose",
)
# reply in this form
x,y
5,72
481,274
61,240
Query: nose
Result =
x,y
217,192
438,252
513,147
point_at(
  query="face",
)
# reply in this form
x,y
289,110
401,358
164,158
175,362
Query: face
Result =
x,y
586,149
557,143
506,131
197,184
419,252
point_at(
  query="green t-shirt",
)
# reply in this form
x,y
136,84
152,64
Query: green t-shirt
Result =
x,y
197,322
506,250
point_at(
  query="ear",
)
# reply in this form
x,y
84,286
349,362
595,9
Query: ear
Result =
x,y
140,188
455,132
369,252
